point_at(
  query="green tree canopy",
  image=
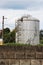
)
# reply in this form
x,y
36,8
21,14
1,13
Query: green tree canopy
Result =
x,y
6,30
9,36
41,34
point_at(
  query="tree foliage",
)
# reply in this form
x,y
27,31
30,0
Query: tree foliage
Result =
x,y
12,36
9,37
41,36
6,30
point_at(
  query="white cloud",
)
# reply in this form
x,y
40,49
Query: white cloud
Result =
x,y
21,4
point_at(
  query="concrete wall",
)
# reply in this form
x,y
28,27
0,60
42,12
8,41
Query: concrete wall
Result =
x,y
21,55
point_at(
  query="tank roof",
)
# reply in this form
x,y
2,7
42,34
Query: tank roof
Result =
x,y
27,18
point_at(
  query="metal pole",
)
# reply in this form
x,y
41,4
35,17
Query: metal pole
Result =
x,y
2,27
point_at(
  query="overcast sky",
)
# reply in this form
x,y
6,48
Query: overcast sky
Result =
x,y
13,9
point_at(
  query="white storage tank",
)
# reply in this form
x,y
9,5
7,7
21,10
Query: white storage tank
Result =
x,y
27,30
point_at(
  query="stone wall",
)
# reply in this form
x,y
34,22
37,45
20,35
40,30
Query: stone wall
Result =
x,y
21,55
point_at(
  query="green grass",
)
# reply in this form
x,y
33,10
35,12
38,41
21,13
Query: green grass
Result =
x,y
21,44
16,44
39,45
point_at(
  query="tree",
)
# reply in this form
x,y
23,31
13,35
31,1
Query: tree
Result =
x,y
6,38
6,35
9,37
12,36
41,34
6,30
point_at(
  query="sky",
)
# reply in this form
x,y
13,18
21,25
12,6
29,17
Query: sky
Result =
x,y
14,9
